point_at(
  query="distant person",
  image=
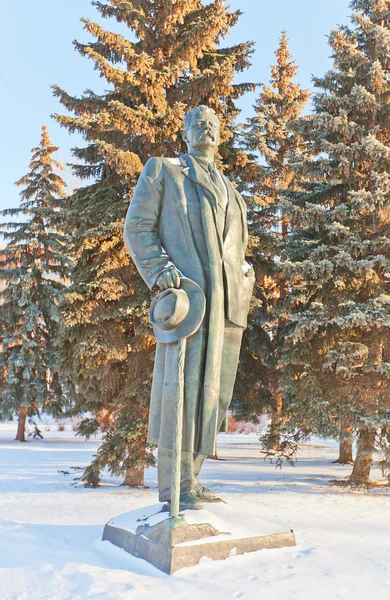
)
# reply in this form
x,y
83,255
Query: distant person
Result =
x,y
37,432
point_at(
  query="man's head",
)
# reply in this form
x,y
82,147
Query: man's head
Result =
x,y
201,129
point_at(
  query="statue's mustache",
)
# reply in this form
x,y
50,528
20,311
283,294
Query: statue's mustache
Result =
x,y
205,133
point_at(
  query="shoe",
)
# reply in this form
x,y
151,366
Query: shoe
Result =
x,y
204,493
188,501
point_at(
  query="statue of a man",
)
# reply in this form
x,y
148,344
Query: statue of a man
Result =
x,y
187,220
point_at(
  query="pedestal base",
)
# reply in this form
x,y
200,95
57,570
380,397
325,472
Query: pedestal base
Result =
x,y
216,532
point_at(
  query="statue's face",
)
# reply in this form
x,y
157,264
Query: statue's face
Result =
x,y
203,132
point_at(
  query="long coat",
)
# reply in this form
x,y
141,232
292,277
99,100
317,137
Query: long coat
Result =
x,y
172,219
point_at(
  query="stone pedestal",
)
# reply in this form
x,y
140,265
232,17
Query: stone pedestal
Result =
x,y
216,532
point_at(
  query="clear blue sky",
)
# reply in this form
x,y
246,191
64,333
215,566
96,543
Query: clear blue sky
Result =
x,y
36,47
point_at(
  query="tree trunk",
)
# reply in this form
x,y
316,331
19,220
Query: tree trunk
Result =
x,y
345,448
21,433
276,413
345,453
134,477
276,419
364,454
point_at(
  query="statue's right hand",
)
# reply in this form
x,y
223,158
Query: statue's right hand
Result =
x,y
168,279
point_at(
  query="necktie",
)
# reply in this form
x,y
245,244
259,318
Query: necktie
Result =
x,y
219,186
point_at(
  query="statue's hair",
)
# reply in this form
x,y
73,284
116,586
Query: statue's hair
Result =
x,y
193,111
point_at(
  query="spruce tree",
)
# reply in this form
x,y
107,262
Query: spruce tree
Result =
x,y
270,134
174,63
33,269
336,356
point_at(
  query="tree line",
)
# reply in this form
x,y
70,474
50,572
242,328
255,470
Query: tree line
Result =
x,y
74,330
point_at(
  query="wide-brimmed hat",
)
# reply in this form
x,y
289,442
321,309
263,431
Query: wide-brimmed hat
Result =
x,y
178,313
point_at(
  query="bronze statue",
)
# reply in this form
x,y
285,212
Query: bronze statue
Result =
x,y
187,222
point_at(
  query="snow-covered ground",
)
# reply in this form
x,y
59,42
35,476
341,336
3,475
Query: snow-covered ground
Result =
x,y
50,531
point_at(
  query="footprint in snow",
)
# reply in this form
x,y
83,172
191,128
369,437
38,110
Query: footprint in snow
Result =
x,y
254,578
239,594
302,554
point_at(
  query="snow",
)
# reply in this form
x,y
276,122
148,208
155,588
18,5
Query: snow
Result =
x,y
50,531
229,523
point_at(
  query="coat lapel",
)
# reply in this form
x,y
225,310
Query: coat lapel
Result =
x,y
197,175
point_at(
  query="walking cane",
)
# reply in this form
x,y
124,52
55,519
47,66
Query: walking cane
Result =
x,y
178,429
